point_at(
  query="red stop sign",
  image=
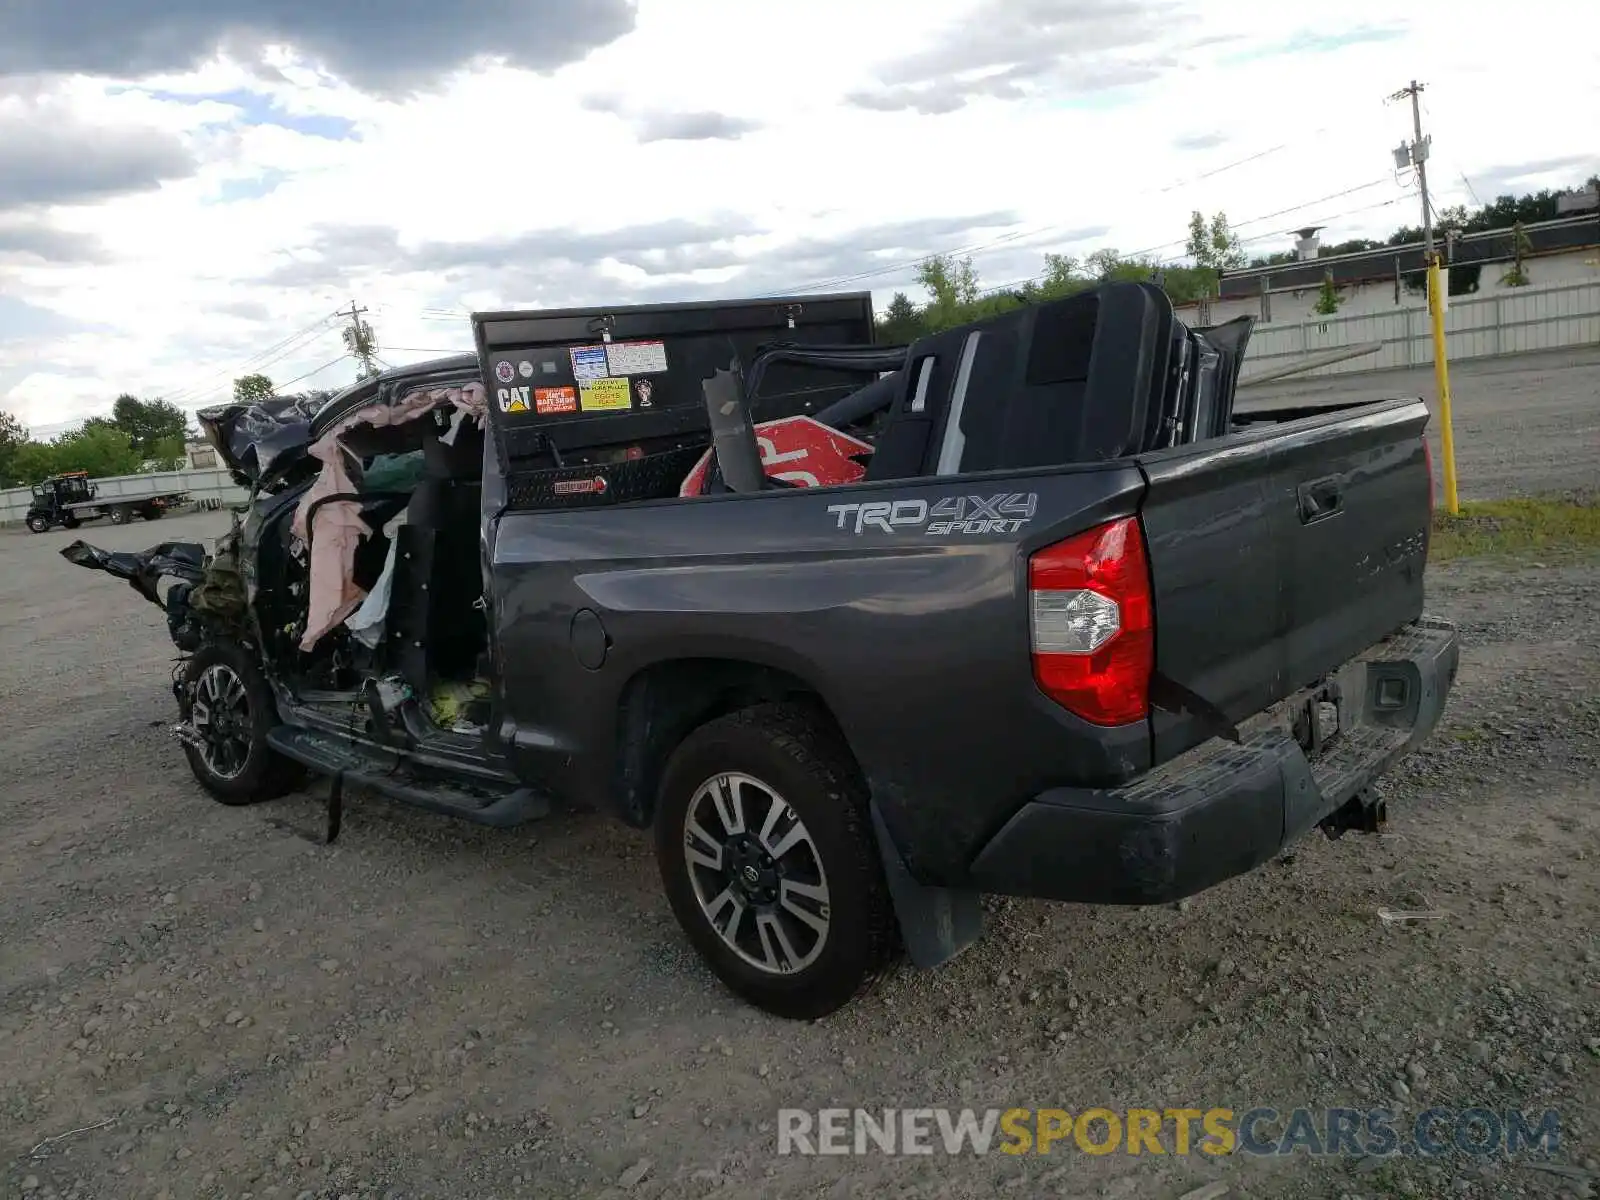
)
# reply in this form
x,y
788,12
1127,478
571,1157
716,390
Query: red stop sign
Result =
x,y
797,450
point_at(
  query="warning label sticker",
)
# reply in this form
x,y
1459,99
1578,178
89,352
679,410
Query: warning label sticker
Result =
x,y
636,358
589,362
605,395
555,400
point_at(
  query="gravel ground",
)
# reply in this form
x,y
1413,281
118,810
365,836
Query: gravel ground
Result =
x,y
1524,424
203,1001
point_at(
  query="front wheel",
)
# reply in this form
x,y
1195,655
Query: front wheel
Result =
x,y
766,851
38,525
228,711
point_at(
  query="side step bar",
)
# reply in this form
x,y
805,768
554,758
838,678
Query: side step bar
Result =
x,y
385,772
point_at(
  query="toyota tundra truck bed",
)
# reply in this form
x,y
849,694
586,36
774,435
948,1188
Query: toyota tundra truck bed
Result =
x,y
1063,668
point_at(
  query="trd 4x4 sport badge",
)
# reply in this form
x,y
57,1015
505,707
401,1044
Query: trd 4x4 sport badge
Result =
x,y
949,517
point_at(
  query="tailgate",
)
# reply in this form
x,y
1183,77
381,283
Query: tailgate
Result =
x,y
1278,555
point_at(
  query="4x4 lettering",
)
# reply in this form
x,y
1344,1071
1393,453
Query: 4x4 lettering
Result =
x,y
986,509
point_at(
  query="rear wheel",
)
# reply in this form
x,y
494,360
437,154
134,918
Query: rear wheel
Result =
x,y
766,851
150,512
121,514
70,520
228,708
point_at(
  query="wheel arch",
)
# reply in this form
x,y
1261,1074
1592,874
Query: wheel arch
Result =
x,y
661,704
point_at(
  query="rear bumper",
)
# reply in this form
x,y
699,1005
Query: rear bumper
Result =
x,y
1223,809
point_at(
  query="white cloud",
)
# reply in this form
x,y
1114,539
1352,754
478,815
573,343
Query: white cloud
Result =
x,y
705,146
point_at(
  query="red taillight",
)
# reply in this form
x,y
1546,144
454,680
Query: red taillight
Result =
x,y
1093,634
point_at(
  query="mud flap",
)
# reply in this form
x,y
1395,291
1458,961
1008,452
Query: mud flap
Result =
x,y
936,923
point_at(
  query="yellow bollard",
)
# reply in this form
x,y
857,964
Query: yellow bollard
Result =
x,y
1441,376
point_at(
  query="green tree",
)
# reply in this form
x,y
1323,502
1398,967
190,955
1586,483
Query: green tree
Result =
x,y
149,422
169,454
252,389
362,345
98,448
32,462
901,322
1521,246
1226,244
952,288
1215,248
13,436
1063,276
1328,298
1103,265
1188,285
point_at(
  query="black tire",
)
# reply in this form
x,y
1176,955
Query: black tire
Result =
x,y
250,771
798,760
121,515
38,525
151,513
70,521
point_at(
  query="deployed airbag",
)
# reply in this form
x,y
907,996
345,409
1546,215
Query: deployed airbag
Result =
x,y
337,527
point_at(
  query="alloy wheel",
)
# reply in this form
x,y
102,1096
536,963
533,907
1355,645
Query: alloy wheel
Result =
x,y
756,873
220,715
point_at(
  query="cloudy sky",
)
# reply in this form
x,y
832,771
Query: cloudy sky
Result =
x,y
190,188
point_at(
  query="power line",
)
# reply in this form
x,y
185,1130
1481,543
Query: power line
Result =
x,y
977,247
274,352
262,358
315,370
1258,237
218,384
1269,216
891,268
1230,166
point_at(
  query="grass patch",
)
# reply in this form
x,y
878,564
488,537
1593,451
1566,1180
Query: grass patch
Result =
x,y
1548,526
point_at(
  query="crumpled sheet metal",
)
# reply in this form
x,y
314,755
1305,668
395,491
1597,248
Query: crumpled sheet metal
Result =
x,y
338,528
252,437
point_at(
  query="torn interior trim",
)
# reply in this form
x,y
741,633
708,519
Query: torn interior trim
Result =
x,y
337,527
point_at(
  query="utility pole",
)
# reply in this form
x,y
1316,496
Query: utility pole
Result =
x,y
359,341
1419,159
355,314
1416,154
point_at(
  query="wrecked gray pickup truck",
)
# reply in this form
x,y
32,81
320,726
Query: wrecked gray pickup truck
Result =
x,y
860,632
